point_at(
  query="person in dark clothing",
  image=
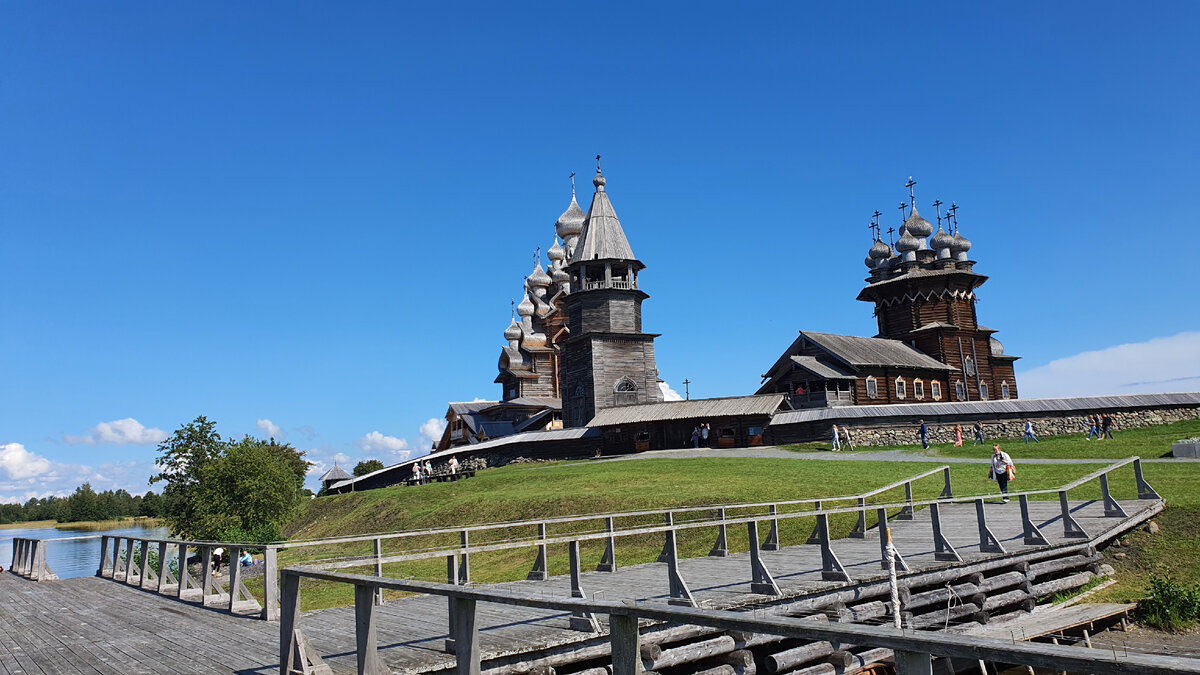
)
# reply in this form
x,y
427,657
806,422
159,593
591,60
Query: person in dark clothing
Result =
x,y
1106,423
924,435
978,429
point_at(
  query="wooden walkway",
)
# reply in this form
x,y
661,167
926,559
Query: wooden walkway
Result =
x,y
93,625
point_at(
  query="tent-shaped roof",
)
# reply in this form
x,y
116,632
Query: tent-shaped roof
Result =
x,y
336,473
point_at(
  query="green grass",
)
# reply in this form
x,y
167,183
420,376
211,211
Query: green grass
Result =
x,y
1147,442
530,491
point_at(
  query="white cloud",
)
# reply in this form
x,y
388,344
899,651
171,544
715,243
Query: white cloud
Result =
x,y
19,464
668,393
1165,364
119,432
431,432
377,442
59,479
270,429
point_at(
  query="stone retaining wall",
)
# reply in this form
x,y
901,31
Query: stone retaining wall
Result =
x,y
942,430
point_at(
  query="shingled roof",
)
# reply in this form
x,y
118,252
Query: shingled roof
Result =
x,y
864,352
603,237
734,406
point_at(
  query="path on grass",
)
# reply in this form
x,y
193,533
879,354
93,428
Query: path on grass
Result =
x,y
776,452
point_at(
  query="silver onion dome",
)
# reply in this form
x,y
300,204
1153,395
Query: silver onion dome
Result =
x,y
907,243
918,226
941,240
869,262
570,223
960,244
996,348
513,332
556,253
525,308
559,275
538,278
880,250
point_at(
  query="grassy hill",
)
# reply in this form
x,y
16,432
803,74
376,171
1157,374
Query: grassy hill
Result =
x,y
527,491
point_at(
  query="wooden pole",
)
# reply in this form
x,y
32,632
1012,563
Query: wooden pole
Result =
x,y
466,637
365,631
626,650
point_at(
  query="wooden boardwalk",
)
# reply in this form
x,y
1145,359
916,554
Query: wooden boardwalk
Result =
x,y
93,625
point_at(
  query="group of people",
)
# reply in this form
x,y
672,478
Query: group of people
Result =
x,y
218,559
422,473
1099,426
700,435
846,440
977,430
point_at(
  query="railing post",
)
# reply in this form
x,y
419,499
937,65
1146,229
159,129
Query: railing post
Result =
x,y
103,555
942,548
772,541
451,578
163,570
185,575
365,631
860,527
1071,528
1112,508
143,561
815,536
831,567
580,619
720,548
626,644
761,580
1033,535
665,555
271,583
289,622
608,562
206,573
37,553
379,568
116,556
906,513
913,663
129,564
464,567
988,543
466,640
1143,488
539,573
235,574
680,594
947,492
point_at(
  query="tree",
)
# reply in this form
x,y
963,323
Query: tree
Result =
x,y
183,458
152,505
85,504
365,467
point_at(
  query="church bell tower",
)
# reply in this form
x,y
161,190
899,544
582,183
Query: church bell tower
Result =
x,y
607,360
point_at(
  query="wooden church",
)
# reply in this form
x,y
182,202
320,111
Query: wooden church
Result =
x,y
930,346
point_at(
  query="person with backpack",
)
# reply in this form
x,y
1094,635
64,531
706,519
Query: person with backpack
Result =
x,y
1002,470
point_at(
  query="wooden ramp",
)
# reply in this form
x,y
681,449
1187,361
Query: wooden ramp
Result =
x,y
93,625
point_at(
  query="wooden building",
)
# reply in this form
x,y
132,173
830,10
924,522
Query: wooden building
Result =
x,y
930,346
737,421
473,422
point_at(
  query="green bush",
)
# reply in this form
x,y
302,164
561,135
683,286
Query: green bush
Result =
x,y
1170,605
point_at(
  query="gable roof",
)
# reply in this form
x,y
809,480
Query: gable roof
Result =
x,y
859,352
733,406
822,370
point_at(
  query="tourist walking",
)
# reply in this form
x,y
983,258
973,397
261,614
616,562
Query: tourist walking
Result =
x,y
837,445
958,435
704,430
1029,433
846,436
1093,427
695,437
978,427
453,464
1002,470
924,435
1106,424
416,473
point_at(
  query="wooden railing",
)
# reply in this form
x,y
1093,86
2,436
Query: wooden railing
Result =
x,y
913,650
29,559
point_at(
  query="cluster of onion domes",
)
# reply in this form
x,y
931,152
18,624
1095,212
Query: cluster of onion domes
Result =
x,y
542,283
915,236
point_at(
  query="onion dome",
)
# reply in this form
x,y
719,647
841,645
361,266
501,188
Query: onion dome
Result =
x,y
559,275
525,308
907,243
513,332
556,252
570,223
918,226
941,240
538,278
880,250
960,244
599,180
996,347
869,262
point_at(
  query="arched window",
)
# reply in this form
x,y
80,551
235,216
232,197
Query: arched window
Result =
x,y
983,391
960,391
1004,389
969,366
919,389
872,388
935,390
626,392
901,390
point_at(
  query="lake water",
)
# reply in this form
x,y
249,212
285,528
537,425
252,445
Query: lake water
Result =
x,y
72,558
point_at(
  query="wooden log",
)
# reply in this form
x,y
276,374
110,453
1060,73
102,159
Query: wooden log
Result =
x,y
589,671
1006,599
667,658
739,658
1060,585
939,596
819,669
1071,562
1006,580
868,610
790,658
716,670
868,658
941,616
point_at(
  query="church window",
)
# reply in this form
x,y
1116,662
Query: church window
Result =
x,y
983,391
960,391
935,390
901,389
1004,389
969,366
626,392
919,388
872,388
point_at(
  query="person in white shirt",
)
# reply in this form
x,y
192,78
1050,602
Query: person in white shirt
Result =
x,y
837,444
416,471
1002,469
453,464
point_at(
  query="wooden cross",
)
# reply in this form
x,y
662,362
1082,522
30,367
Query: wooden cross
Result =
x,y
537,257
597,163
891,231
875,224
687,393
513,307
911,196
572,182
938,205
952,213
903,215
872,227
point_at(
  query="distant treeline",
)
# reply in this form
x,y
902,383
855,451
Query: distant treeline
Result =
x,y
85,504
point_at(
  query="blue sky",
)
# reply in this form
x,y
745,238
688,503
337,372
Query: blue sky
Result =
x,y
310,218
